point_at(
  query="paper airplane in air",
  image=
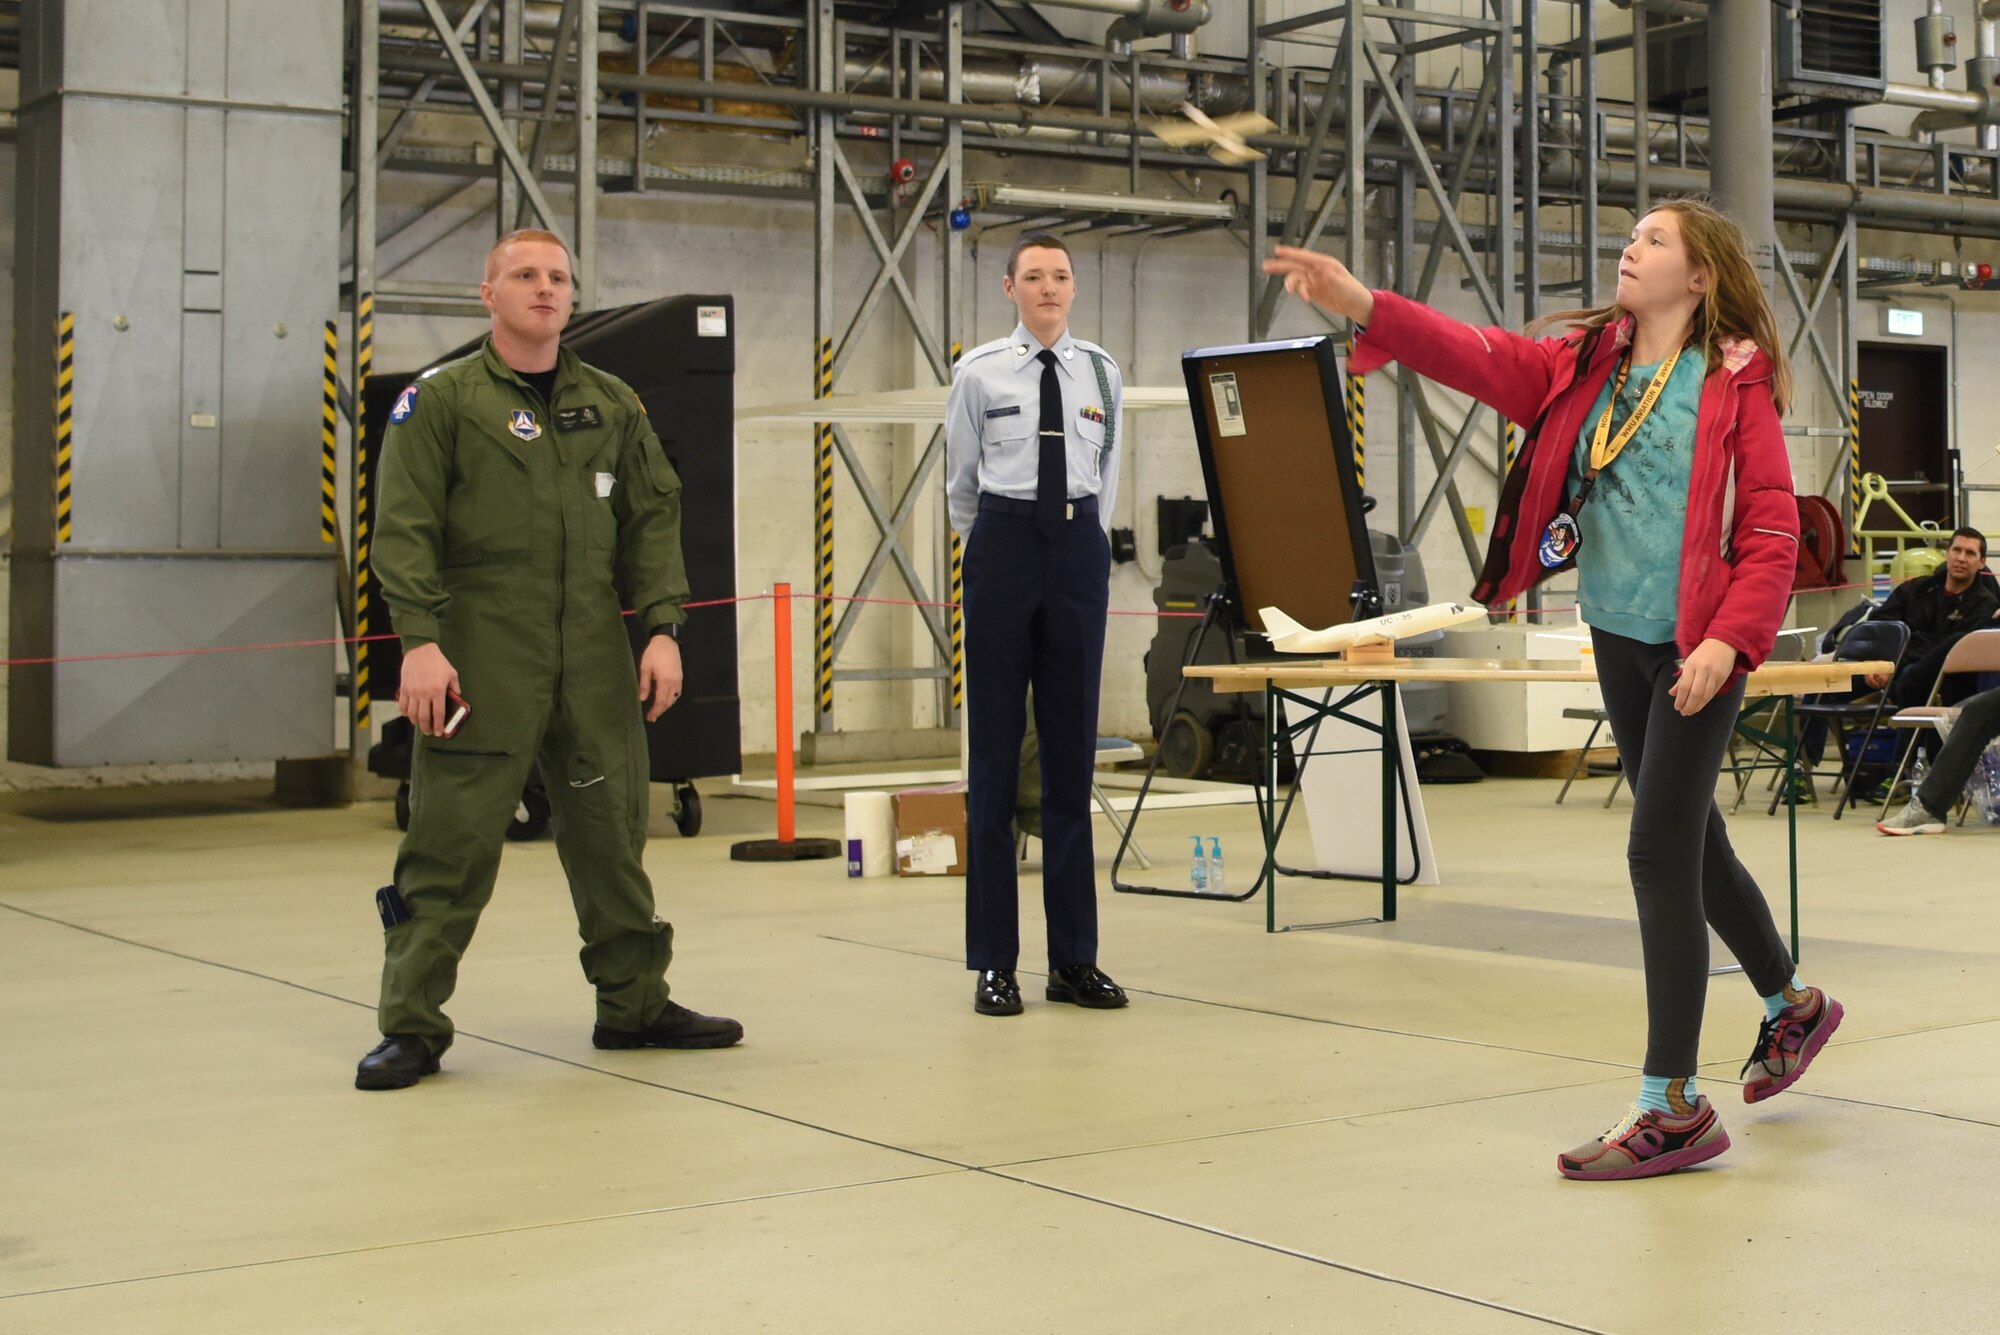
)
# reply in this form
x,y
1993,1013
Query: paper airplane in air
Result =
x,y
1223,137
1289,637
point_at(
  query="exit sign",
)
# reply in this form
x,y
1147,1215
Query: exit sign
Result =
x,y
1904,324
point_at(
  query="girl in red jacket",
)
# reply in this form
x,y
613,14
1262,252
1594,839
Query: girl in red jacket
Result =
x,y
1657,469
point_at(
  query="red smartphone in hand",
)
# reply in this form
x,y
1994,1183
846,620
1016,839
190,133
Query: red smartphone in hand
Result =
x,y
456,711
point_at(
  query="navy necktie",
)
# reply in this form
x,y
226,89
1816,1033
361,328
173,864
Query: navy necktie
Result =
x,y
1052,464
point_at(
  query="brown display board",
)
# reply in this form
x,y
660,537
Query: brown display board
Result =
x,y
1279,466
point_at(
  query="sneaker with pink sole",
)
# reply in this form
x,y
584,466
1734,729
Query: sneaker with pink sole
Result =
x,y
1647,1144
1787,1043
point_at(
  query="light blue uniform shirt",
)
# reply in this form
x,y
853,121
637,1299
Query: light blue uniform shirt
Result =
x,y
1629,568
995,411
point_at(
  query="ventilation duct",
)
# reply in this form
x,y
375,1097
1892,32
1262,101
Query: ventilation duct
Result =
x,y
1832,48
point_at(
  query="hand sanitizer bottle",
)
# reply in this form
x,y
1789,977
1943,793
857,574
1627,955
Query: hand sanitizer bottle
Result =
x,y
1198,869
1217,883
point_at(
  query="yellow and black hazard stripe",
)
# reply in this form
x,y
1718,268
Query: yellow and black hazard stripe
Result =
x,y
65,404
329,439
823,541
364,363
1357,426
957,623
1853,463
957,596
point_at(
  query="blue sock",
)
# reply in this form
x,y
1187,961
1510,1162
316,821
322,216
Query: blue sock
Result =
x,y
1772,1005
1653,1091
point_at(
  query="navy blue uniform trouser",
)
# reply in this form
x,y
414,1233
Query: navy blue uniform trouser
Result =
x,y
1685,876
1035,603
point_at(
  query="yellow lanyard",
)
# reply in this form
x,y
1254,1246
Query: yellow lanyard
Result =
x,y
1601,452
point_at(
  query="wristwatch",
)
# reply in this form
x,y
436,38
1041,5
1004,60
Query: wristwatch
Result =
x,y
671,630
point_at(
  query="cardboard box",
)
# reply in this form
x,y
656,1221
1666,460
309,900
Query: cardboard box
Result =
x,y
930,831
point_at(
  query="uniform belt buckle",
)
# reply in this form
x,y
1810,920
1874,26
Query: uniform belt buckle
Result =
x,y
1069,511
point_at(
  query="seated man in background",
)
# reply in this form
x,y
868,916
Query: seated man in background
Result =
x,y
1977,609
1978,724
1958,597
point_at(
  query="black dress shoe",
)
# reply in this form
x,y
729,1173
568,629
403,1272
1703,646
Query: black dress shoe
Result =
x,y
677,1027
1084,985
997,993
397,1062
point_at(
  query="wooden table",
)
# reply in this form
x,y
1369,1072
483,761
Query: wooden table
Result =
x,y
1281,680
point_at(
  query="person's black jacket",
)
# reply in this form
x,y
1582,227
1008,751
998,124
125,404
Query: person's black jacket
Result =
x,y
1933,615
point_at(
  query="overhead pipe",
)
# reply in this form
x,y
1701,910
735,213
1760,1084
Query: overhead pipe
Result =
x,y
1903,210
1144,18
1058,81
1979,105
1892,210
538,19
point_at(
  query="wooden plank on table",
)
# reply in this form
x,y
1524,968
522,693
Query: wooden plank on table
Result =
x,y
1771,679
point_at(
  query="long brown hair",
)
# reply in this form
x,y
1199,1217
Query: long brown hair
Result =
x,y
1734,305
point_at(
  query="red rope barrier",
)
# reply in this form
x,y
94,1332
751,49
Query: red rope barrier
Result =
x,y
331,642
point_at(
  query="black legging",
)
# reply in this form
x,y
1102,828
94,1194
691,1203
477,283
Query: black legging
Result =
x,y
1684,875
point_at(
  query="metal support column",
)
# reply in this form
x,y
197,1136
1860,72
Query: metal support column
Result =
x,y
1642,109
1850,334
822,38
951,247
584,242
1587,147
1740,145
1258,320
364,125
513,47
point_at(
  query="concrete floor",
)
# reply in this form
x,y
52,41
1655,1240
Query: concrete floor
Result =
x,y
1350,1130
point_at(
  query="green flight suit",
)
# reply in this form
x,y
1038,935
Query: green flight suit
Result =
x,y
508,528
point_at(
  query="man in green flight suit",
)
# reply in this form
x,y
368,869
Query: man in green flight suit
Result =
x,y
520,491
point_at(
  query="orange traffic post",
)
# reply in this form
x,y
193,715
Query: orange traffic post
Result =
x,y
787,847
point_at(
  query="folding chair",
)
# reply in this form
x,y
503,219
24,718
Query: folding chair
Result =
x,y
1928,716
1865,640
1977,652
1598,720
1110,751
1756,724
1116,751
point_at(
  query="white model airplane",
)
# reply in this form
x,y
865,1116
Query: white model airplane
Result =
x,y
1289,637
1224,137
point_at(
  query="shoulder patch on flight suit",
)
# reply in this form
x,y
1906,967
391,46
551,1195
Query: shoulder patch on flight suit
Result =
x,y
406,403
584,418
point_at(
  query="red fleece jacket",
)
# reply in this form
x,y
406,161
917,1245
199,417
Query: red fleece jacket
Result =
x,y
1741,544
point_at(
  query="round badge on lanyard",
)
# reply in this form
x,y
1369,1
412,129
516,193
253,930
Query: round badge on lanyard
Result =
x,y
1559,541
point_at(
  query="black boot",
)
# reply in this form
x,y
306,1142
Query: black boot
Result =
x,y
1084,985
997,993
397,1062
677,1027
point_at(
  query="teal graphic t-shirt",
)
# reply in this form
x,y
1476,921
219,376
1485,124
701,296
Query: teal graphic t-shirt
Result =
x,y
1629,568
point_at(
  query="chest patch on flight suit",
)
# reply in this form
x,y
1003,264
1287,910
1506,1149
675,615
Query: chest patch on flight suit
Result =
x,y
1014,411
523,424
406,403
586,418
